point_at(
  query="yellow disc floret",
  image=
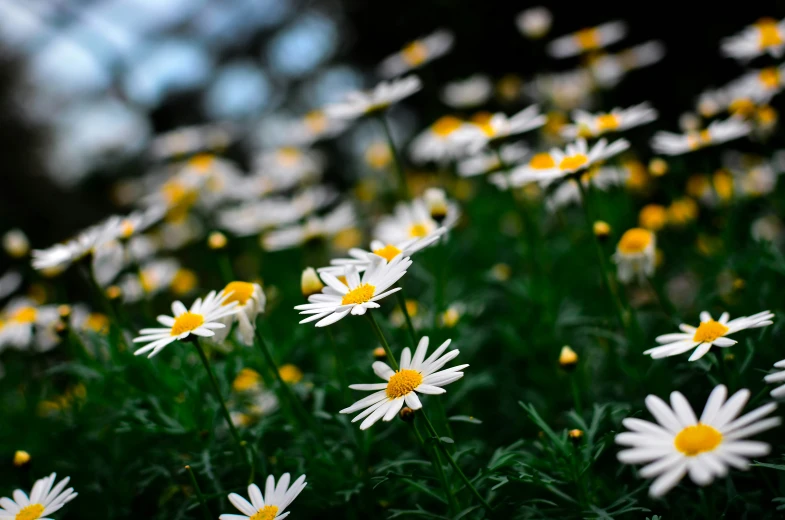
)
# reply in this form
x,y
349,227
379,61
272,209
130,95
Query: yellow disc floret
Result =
x,y
403,382
709,331
24,315
635,241
694,440
187,322
265,513
387,252
360,294
542,161
573,162
446,125
31,512
608,122
415,54
239,292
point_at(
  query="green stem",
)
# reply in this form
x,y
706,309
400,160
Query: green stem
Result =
x,y
403,188
601,256
382,340
202,502
454,464
225,268
217,390
340,368
576,394
439,469
405,311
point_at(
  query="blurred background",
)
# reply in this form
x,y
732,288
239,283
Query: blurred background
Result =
x,y
85,85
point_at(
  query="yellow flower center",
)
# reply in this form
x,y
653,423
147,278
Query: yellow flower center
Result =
x,y
201,162
770,77
708,331
588,39
742,107
542,161
97,322
186,322
635,240
573,162
766,115
241,292
418,230
403,382
768,33
697,139
378,155
697,439
607,122
653,217
290,373
24,315
184,281
127,229
288,156
265,513
360,294
316,121
31,512
246,380
723,184
415,54
483,121
387,252
446,125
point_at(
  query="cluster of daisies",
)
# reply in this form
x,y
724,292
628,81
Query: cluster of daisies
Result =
x,y
558,148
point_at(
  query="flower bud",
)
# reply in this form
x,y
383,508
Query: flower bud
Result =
x,y
436,201
568,359
21,458
310,282
575,435
406,414
380,354
16,244
216,240
602,229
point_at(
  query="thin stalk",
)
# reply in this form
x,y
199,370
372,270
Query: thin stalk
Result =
x,y
403,188
202,502
523,209
217,390
576,394
383,341
407,318
225,268
601,257
440,268
454,464
437,466
340,368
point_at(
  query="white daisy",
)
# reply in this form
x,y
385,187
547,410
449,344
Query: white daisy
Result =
x,y
550,166
356,295
10,281
669,143
499,127
286,130
413,220
468,93
417,53
635,255
681,443
444,140
269,506
280,169
16,243
600,178
416,375
384,95
758,85
588,39
339,219
361,259
767,35
617,120
201,320
777,377
153,277
24,324
43,501
191,139
708,333
488,161
609,69
534,22
250,301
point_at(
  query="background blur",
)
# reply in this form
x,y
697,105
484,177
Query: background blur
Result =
x,y
85,84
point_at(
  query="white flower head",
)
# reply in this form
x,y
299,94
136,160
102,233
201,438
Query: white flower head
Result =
x,y
599,177
44,500
202,319
609,69
707,334
417,53
635,255
356,295
272,504
414,220
250,301
767,35
191,139
15,243
488,161
337,220
718,132
704,448
589,39
500,127
384,95
534,22
446,139
468,93
416,375
26,325
586,124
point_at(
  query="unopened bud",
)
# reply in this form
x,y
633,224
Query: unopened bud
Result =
x,y
380,354
113,292
436,201
406,414
310,282
64,310
658,167
568,358
21,458
216,240
16,244
602,230
575,435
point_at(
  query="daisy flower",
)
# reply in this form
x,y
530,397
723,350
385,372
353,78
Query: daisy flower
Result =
x,y
16,243
758,85
499,127
201,319
444,140
535,22
564,90
250,301
384,95
468,93
609,69
301,131
680,443
417,53
361,259
355,295
635,255
600,178
269,506
10,281
488,161
589,39
718,132
191,139
339,219
617,120
767,35
550,166
416,375
708,333
43,501
24,324
280,169
413,220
